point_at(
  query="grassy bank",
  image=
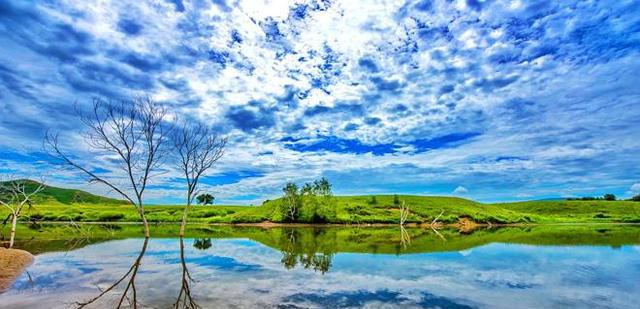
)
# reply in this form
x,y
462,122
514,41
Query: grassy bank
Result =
x,y
354,210
69,205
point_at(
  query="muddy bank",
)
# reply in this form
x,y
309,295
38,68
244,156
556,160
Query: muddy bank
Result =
x,y
12,263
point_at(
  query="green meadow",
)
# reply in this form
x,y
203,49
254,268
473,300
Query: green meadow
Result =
x,y
68,205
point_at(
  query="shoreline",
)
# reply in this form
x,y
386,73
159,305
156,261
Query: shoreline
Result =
x,y
269,224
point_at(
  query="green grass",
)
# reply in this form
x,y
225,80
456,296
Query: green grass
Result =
x,y
423,209
56,204
55,195
578,211
356,210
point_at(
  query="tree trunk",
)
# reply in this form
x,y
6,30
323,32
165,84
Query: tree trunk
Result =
x,y
14,223
184,219
144,222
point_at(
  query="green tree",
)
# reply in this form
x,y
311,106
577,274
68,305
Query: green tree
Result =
x,y
291,202
326,209
322,187
636,198
396,200
609,197
205,199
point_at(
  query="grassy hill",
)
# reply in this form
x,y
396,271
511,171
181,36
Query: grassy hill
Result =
x,y
55,195
57,204
360,209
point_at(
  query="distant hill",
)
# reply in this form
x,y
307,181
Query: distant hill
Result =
x,y
69,196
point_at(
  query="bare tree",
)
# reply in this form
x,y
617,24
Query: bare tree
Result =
x,y
130,277
185,299
405,238
404,213
15,195
198,149
134,132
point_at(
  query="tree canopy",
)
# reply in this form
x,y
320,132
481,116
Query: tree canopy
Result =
x,y
205,199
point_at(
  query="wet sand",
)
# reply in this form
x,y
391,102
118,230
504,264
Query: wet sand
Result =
x,y
12,263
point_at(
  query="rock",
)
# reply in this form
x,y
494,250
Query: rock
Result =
x,y
12,263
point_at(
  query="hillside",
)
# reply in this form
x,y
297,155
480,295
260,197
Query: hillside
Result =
x,y
361,209
53,195
57,204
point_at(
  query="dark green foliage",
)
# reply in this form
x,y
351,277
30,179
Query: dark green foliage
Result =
x,y
606,197
373,200
202,243
396,200
109,216
205,199
291,202
313,203
636,198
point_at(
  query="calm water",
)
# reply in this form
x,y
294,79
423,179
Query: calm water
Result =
x,y
544,267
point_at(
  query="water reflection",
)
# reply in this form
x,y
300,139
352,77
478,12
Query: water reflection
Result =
x,y
202,243
185,299
251,267
129,294
302,247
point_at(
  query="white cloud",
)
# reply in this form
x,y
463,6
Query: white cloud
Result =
x,y
559,129
460,190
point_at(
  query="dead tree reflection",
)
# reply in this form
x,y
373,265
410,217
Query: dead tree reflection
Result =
x,y
185,299
130,278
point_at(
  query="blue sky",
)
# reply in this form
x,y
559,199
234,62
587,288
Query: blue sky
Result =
x,y
491,100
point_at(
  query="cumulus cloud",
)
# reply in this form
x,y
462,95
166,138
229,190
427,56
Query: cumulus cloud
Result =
x,y
507,97
460,190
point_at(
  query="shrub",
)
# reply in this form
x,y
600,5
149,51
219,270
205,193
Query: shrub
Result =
x,y
636,198
609,197
109,216
373,200
208,213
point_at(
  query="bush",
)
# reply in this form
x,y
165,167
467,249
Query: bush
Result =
x,y
609,197
373,200
209,213
636,198
109,216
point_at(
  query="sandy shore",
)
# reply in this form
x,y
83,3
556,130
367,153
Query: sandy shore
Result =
x,y
12,263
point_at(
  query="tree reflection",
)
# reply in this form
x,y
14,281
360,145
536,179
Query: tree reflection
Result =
x,y
202,243
185,299
129,294
304,247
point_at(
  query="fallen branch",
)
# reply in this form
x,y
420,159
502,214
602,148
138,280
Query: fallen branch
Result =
x,y
436,218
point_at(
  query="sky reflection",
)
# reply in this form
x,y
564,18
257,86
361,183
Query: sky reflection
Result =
x,y
244,273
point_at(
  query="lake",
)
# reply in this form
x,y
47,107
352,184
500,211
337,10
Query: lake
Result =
x,y
335,267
